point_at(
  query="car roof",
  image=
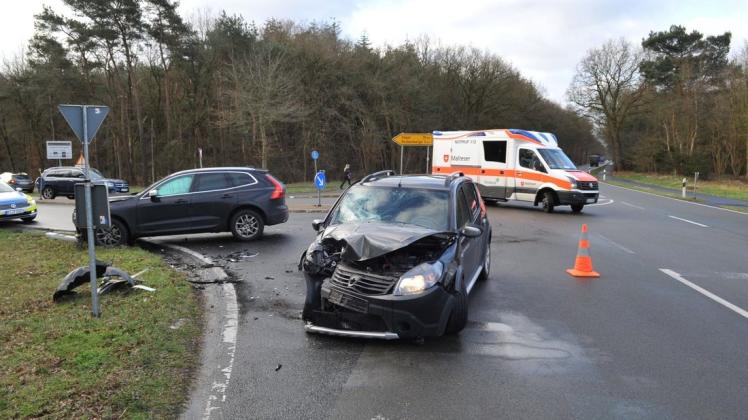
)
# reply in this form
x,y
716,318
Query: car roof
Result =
x,y
219,169
432,182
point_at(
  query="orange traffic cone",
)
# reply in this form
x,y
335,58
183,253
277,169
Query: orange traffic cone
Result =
x,y
583,263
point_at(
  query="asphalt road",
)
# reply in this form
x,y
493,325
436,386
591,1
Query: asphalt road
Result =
x,y
638,342
635,343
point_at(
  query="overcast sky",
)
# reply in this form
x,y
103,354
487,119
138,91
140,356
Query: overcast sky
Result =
x,y
544,40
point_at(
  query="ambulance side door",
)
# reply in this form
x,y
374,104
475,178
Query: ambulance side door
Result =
x,y
493,179
528,174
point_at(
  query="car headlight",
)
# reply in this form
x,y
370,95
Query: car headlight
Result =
x,y
110,184
573,182
419,278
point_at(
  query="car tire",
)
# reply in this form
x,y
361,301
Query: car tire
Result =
x,y
459,316
246,225
548,202
28,219
486,271
71,197
577,208
48,193
116,235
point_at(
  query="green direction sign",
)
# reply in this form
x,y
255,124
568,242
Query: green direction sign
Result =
x,y
94,116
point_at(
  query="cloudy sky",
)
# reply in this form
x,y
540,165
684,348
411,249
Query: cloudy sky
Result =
x,y
544,40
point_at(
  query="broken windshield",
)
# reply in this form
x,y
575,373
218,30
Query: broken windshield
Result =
x,y
426,208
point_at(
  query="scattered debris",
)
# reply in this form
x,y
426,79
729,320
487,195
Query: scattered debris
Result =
x,y
61,236
113,279
277,368
269,278
178,323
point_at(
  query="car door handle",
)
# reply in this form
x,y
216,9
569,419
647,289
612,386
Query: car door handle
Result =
x,y
227,196
501,172
180,201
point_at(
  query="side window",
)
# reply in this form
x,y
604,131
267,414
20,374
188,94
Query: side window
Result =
x,y
210,182
60,173
76,174
473,201
180,185
463,211
494,151
530,160
237,179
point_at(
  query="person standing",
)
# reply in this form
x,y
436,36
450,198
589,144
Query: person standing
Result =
x,y
346,176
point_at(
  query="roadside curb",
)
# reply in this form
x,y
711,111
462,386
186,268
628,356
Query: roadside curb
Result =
x,y
218,345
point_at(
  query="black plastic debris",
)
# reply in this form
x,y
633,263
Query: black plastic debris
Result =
x,y
277,368
113,279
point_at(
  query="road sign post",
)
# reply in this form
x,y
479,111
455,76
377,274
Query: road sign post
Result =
x,y
413,140
320,181
315,156
85,121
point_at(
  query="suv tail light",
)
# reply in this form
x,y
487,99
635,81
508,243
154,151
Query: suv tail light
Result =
x,y
279,191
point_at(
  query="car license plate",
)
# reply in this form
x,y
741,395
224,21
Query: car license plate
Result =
x,y
347,301
14,211
590,200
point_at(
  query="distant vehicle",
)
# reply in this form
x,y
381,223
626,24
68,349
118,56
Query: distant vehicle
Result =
x,y
515,165
14,204
595,160
396,257
238,200
61,180
18,180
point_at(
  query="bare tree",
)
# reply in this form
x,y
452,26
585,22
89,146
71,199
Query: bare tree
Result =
x,y
607,89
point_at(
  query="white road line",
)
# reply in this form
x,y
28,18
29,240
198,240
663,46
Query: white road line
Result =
x,y
602,204
632,205
710,295
678,200
617,245
687,221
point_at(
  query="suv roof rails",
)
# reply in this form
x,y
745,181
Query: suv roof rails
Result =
x,y
451,177
377,175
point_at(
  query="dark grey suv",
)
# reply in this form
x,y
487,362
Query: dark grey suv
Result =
x,y
396,257
238,200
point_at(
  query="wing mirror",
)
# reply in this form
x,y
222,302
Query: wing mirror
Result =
x,y
19,189
153,194
471,231
317,224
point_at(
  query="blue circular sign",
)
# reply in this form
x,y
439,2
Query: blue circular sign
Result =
x,y
320,180
315,155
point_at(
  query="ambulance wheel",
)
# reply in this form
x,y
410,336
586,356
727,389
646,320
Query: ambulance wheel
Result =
x,y
577,208
548,202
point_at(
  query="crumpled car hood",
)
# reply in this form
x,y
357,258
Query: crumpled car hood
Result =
x,y
363,241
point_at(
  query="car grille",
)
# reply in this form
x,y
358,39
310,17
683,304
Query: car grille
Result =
x,y
17,205
587,185
362,282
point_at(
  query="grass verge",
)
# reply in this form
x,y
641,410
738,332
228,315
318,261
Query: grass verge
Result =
x,y
727,188
57,361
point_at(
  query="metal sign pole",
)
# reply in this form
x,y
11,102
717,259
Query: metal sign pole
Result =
x,y
89,219
401,160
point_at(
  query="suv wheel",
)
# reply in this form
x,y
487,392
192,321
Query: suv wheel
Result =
x,y
577,208
458,318
48,193
115,235
486,262
246,225
548,202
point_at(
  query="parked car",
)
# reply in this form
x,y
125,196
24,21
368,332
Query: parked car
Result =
x,y
14,204
61,180
20,180
238,200
396,257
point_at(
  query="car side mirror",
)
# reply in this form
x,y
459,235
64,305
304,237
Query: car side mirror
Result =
x,y
317,224
153,194
471,231
19,189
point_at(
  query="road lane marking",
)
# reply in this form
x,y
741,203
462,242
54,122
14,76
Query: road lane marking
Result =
x,y
687,221
632,205
710,295
677,199
617,245
602,204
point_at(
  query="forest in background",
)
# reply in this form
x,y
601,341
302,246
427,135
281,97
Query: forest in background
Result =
x,y
252,95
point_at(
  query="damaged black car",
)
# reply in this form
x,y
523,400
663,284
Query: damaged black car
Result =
x,y
396,257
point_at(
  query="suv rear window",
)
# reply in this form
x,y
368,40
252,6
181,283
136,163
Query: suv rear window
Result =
x,y
210,182
426,208
238,179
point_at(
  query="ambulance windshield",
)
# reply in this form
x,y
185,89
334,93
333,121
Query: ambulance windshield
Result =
x,y
556,159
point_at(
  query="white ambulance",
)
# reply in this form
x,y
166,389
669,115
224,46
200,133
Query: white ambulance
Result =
x,y
511,164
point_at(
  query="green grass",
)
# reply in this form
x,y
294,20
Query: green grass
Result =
x,y
300,187
57,361
726,188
